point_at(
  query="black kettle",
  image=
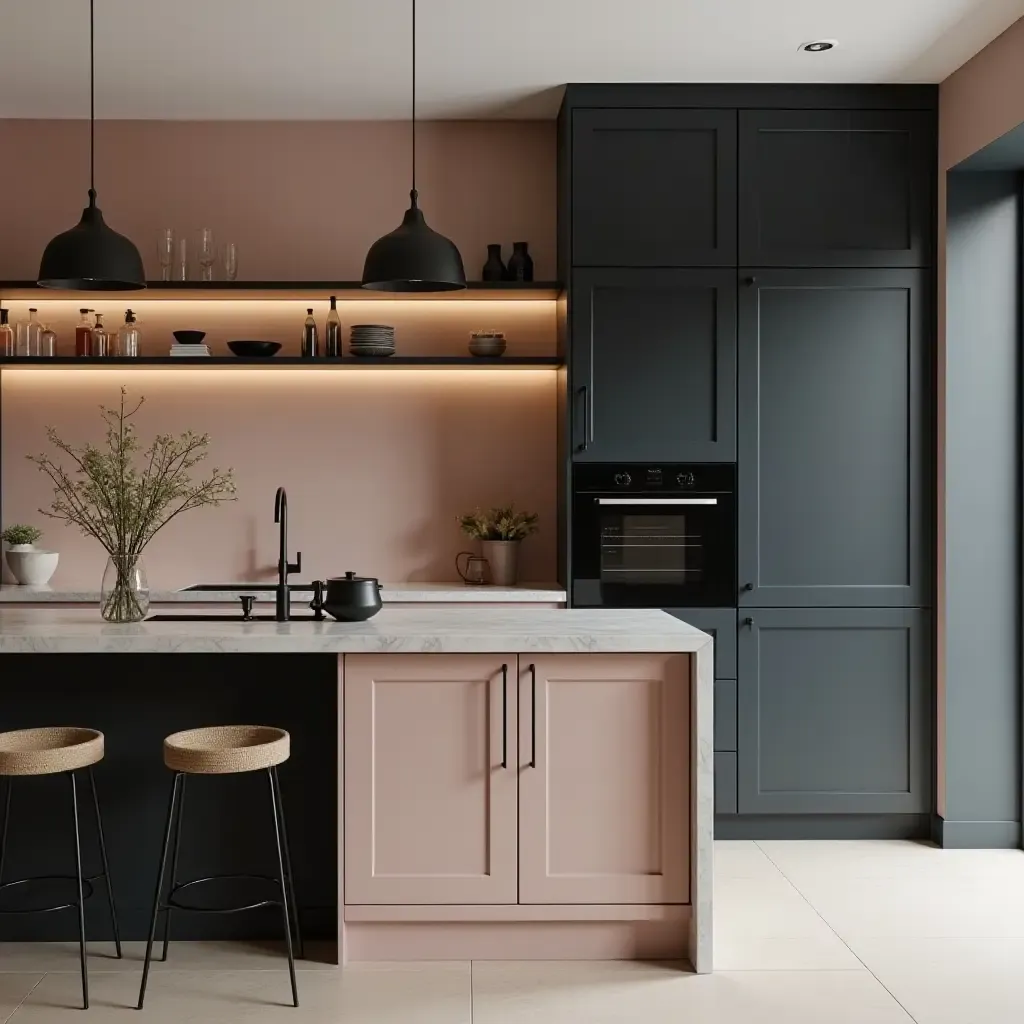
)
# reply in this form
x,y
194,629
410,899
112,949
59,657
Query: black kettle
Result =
x,y
348,598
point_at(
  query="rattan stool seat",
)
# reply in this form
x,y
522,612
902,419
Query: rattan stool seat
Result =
x,y
48,751
226,749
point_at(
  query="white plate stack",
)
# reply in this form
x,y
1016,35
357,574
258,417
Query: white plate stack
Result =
x,y
189,350
372,340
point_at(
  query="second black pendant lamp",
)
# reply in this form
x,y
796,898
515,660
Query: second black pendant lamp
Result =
x,y
91,256
413,257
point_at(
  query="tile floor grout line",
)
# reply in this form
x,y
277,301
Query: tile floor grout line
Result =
x,y
7,1020
798,891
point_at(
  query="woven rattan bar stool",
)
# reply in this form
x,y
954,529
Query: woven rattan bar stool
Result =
x,y
67,750
225,750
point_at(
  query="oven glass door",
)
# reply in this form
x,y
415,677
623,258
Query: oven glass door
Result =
x,y
656,552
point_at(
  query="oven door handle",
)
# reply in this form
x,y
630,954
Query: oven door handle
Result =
x,y
657,501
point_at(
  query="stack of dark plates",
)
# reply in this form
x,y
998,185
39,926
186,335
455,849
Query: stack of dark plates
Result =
x,y
372,340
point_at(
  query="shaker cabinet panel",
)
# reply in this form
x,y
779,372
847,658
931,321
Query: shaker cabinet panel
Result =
x,y
653,188
836,188
834,711
430,811
832,422
653,365
604,779
721,624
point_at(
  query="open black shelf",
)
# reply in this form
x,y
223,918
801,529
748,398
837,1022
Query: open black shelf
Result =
x,y
346,362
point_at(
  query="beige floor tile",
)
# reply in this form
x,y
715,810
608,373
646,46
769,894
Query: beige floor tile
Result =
x,y
13,989
628,993
739,952
199,956
916,906
950,980
764,908
363,994
741,858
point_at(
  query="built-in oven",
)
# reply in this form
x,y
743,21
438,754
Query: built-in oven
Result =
x,y
654,536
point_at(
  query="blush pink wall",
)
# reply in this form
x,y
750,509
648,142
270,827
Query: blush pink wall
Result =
x,y
303,200
378,463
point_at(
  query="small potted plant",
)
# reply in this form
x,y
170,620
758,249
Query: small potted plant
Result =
x,y
500,531
29,566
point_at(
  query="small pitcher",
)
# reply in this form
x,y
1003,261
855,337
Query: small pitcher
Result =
x,y
477,570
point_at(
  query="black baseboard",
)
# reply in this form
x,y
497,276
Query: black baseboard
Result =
x,y
823,826
976,835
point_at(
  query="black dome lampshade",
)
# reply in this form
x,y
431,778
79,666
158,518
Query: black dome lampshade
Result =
x,y
91,256
414,257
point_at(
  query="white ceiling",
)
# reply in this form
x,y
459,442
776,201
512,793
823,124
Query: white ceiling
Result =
x,y
326,59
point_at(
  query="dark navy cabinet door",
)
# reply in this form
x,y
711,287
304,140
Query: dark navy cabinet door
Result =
x,y
653,365
653,188
832,421
836,188
834,711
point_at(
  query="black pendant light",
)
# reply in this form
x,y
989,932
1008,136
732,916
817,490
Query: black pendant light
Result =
x,y
91,256
413,257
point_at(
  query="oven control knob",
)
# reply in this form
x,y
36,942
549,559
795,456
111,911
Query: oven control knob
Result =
x,y
622,479
686,479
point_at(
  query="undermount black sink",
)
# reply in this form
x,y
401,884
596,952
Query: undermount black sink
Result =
x,y
237,617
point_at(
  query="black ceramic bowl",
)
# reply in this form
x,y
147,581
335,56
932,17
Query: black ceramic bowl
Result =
x,y
188,337
254,349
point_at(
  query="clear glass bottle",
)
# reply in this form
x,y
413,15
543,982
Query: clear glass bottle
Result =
x,y
128,336
48,342
100,338
29,331
83,334
332,338
7,343
310,343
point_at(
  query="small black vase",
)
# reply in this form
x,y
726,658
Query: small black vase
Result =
x,y
520,264
494,269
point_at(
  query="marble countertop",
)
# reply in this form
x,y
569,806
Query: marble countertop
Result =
x,y
413,593
400,630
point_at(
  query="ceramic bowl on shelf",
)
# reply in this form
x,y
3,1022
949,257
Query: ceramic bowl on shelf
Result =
x,y
188,337
487,343
254,349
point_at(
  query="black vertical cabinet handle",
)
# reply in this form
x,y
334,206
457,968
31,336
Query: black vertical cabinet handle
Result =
x,y
750,280
504,716
533,716
748,621
584,392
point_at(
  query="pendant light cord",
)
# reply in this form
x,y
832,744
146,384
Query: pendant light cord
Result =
x,y
414,193
92,107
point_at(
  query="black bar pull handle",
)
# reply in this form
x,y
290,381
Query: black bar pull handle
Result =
x,y
533,716
504,716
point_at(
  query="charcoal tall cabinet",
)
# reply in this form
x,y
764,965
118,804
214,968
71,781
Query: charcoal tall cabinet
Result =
x,y
750,278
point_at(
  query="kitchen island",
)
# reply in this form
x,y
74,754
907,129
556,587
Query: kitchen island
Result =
x,y
509,783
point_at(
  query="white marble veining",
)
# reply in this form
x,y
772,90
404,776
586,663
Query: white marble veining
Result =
x,y
410,593
410,630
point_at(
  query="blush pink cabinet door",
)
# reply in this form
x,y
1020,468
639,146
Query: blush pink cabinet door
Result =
x,y
604,778
430,813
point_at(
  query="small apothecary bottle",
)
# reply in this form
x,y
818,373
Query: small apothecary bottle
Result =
x,y
128,337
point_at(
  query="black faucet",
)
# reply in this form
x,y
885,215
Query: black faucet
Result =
x,y
284,597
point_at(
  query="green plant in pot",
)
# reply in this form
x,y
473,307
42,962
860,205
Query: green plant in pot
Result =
x,y
29,566
500,531
122,496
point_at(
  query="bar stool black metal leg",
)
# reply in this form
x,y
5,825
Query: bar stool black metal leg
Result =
x,y
159,886
105,863
284,888
81,897
174,865
300,949
9,786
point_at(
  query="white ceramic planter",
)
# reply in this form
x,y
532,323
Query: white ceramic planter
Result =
x,y
30,566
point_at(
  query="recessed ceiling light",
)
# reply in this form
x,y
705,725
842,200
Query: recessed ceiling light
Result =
x,y
817,45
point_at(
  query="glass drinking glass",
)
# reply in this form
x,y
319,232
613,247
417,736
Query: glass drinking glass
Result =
x,y
207,253
181,266
230,261
165,247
